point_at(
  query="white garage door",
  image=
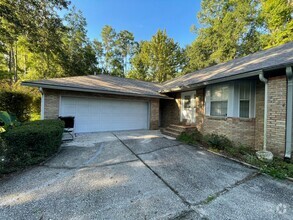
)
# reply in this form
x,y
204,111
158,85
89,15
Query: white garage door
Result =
x,y
105,114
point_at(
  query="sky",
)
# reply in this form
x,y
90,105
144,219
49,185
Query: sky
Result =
x,y
141,17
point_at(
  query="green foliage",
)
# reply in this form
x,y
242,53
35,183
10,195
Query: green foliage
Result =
x,y
3,149
276,168
114,51
219,142
158,60
235,28
37,43
277,18
16,103
191,137
7,121
31,142
78,53
28,28
5,118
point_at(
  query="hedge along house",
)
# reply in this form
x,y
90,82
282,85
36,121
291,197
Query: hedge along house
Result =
x,y
248,99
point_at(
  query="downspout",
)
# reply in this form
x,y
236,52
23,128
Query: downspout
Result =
x,y
265,81
42,103
288,146
264,154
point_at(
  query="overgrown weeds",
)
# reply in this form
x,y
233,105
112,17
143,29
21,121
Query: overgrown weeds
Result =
x,y
277,168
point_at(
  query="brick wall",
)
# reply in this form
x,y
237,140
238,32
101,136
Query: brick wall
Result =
x,y
155,111
236,129
245,131
276,124
170,110
259,114
52,99
51,104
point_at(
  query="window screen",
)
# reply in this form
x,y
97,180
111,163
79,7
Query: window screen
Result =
x,y
219,108
219,100
244,100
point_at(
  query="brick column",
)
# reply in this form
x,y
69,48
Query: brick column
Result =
x,y
276,124
154,114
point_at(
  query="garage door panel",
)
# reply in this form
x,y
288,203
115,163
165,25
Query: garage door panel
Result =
x,y
104,114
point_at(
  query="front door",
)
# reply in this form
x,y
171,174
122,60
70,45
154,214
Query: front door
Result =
x,y
188,107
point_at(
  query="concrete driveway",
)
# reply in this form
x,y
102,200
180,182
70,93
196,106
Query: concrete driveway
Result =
x,y
141,175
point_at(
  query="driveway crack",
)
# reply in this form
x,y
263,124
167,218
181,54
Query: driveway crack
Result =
x,y
158,149
155,173
213,196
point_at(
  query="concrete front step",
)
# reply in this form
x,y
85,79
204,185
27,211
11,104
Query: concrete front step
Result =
x,y
175,130
183,127
170,133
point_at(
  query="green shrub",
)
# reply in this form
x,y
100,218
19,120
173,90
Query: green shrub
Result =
x,y
191,137
16,103
3,149
277,168
219,142
31,142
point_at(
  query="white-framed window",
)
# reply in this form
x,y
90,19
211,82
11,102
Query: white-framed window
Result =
x,y
233,99
219,100
244,99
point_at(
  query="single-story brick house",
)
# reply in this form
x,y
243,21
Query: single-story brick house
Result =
x,y
249,99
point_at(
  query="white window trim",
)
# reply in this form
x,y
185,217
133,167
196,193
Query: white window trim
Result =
x,y
233,105
222,100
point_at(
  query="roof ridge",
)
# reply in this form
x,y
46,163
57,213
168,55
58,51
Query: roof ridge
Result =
x,y
125,78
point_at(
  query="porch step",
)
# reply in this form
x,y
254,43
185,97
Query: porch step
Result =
x,y
175,130
182,127
170,133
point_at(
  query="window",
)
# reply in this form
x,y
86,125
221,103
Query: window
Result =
x,y
231,99
219,101
187,101
244,100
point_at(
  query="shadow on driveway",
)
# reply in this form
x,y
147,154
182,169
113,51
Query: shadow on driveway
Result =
x,y
141,175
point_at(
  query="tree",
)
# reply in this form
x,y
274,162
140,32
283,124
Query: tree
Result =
x,y
235,28
229,30
158,60
79,56
35,21
108,35
140,64
278,22
125,43
115,51
99,50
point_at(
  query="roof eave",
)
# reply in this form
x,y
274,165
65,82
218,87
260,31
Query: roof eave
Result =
x,y
78,89
225,79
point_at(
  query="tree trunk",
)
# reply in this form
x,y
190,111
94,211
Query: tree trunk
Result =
x,y
15,65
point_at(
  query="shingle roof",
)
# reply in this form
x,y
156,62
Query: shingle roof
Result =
x,y
102,84
261,60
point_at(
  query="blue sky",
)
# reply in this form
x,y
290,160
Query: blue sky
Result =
x,y
141,17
